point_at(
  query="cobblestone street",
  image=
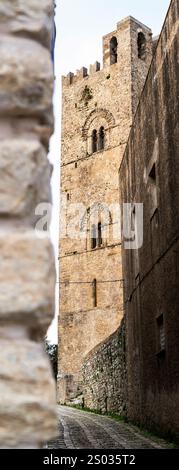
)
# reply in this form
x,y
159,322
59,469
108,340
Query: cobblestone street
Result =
x,y
82,430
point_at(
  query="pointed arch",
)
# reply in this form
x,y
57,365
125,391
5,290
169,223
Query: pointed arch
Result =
x,y
96,207
100,112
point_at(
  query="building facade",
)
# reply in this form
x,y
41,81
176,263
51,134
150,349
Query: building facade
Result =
x,y
98,111
149,174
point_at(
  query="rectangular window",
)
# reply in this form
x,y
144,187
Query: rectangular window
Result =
x,y
94,293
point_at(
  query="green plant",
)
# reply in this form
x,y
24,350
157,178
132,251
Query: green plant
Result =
x,y
87,95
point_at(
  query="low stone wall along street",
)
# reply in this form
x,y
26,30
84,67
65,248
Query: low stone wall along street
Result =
x,y
104,375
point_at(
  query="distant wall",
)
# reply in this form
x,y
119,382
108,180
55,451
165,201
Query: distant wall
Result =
x,y
104,375
149,174
27,275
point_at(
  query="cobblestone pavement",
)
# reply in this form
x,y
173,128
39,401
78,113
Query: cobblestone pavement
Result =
x,y
82,430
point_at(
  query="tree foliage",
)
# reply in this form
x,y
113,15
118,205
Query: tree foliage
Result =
x,y
52,351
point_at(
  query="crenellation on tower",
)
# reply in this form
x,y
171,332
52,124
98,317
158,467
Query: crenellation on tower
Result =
x,y
95,68
116,48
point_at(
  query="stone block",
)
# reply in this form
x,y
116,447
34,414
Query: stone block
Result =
x,y
26,78
24,176
27,18
27,280
26,419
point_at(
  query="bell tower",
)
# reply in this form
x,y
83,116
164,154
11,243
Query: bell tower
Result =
x,y
97,112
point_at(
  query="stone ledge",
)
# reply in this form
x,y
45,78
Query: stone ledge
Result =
x,y
26,378
27,280
24,176
27,18
26,78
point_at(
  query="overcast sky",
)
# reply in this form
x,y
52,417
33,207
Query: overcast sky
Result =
x,y
80,26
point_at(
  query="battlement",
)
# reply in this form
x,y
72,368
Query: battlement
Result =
x,y
72,78
112,43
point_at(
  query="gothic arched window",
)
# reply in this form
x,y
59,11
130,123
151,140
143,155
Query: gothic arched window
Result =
x,y
94,141
100,241
101,138
141,44
93,237
113,50
94,284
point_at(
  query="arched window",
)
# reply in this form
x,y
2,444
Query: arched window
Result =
x,y
96,236
94,284
113,51
93,237
141,44
94,141
101,138
100,241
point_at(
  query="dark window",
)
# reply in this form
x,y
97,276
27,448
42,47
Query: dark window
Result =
x,y
141,43
76,165
100,241
68,197
101,138
94,237
153,189
161,333
152,174
94,293
94,141
133,220
113,51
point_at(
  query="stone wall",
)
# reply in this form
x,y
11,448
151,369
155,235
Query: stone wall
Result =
x,y
104,375
27,277
149,174
104,97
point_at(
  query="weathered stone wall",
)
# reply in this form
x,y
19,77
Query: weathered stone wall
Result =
x,y
27,277
104,375
108,98
149,174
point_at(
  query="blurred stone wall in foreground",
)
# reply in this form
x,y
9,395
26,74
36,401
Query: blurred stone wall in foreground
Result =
x,y
27,275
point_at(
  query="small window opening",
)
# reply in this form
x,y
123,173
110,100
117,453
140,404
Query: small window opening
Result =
x,y
94,237
133,219
94,141
153,188
101,138
152,174
68,196
113,51
94,293
141,43
161,333
76,165
100,241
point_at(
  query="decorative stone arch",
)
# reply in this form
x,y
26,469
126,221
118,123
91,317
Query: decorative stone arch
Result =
x,y
97,214
98,112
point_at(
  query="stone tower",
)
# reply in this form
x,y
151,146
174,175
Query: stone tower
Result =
x,y
98,110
